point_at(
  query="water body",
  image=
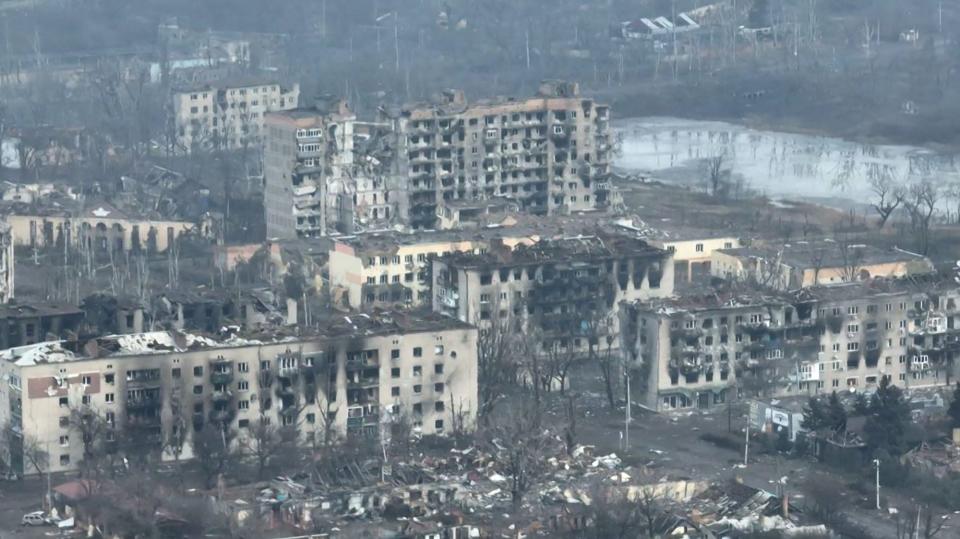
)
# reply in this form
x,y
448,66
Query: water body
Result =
x,y
780,165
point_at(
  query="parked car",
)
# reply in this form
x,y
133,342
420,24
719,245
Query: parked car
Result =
x,y
35,518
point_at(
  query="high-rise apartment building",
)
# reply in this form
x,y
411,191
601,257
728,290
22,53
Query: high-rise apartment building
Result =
x,y
550,152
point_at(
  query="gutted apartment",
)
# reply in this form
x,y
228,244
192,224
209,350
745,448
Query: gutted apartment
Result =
x,y
361,374
692,350
550,153
306,150
228,115
390,268
566,289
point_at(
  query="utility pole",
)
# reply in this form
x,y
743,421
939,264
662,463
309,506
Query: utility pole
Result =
x,y
527,46
876,463
396,41
746,442
626,413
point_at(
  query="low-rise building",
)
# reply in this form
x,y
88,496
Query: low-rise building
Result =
x,y
357,376
801,264
99,224
565,289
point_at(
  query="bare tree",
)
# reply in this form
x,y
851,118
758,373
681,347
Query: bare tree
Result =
x,y
921,202
888,196
214,451
496,365
520,446
34,453
266,442
715,174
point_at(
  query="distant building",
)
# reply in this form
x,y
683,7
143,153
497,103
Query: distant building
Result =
x,y
228,115
305,150
564,290
550,153
802,264
358,376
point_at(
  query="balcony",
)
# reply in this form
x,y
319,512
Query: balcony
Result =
x,y
143,378
143,421
222,376
221,396
143,403
220,415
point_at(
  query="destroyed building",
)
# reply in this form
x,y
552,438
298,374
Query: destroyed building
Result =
x,y
564,290
691,350
355,377
88,222
28,323
797,265
550,152
376,270
305,148
228,115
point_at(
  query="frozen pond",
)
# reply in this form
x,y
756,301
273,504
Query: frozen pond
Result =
x,y
781,165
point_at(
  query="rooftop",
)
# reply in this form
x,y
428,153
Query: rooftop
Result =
x,y
829,254
234,81
712,299
876,287
514,227
581,248
164,342
33,310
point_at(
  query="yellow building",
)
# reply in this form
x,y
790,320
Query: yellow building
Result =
x,y
805,264
97,222
356,377
392,268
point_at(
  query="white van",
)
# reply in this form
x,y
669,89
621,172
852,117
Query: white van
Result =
x,y
33,519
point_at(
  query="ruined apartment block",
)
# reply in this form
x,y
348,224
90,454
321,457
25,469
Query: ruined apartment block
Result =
x,y
355,379
380,270
306,149
550,153
564,291
228,115
691,351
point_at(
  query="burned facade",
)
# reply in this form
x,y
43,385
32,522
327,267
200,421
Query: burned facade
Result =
x,y
227,116
306,150
550,153
357,377
28,323
564,290
691,351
